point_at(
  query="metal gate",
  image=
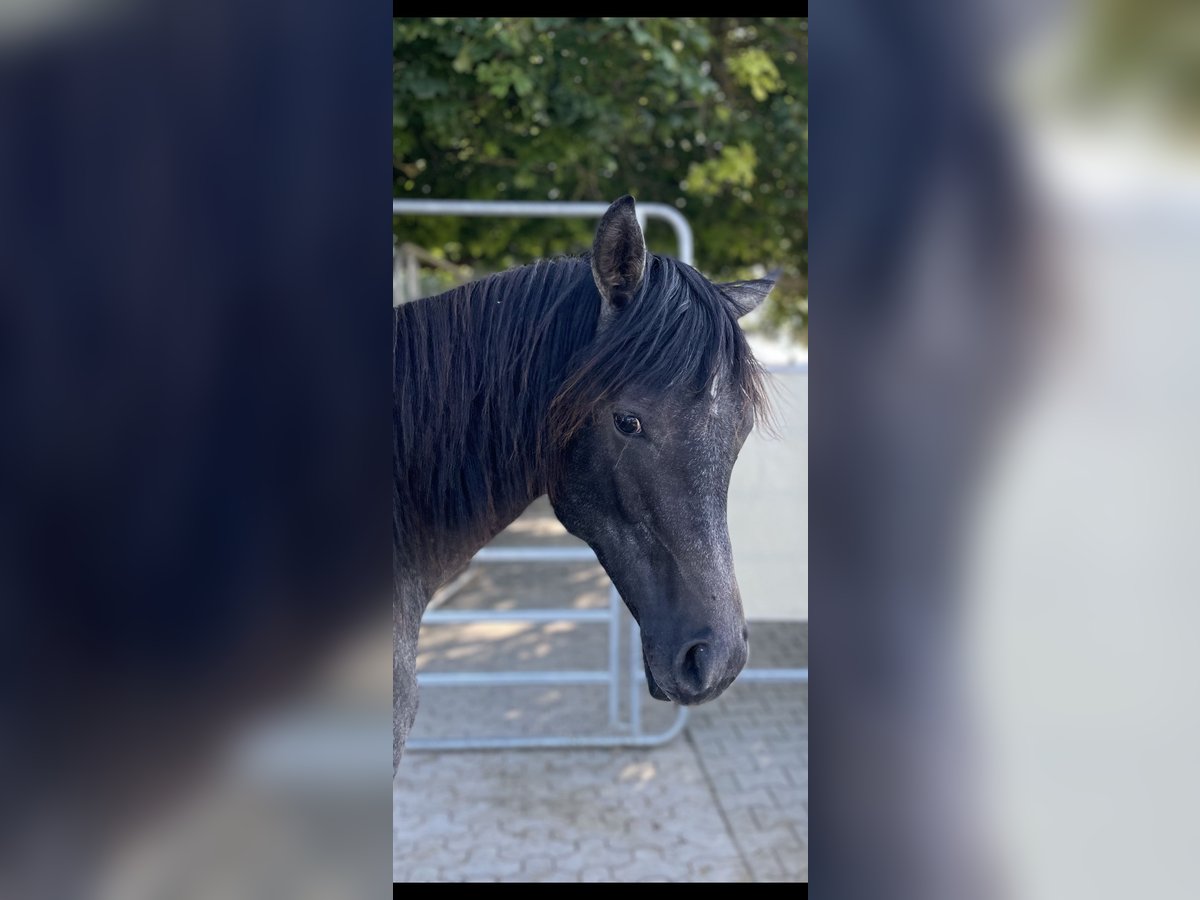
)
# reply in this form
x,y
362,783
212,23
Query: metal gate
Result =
x,y
631,733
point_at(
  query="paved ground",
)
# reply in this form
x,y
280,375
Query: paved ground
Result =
x,y
725,801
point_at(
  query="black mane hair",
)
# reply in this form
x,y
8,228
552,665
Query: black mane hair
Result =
x,y
493,378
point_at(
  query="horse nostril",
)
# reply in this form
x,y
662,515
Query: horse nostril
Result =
x,y
695,667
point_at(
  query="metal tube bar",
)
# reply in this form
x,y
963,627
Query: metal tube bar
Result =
x,y
760,675
614,655
773,675
450,616
535,554
635,686
551,743
551,208
798,368
491,679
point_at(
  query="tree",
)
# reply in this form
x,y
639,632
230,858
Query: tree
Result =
x,y
709,114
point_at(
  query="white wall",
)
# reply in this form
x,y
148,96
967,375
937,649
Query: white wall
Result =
x,y
768,508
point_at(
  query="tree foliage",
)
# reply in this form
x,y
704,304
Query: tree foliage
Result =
x,y
707,114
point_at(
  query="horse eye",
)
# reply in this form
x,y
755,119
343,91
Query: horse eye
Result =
x,y
627,424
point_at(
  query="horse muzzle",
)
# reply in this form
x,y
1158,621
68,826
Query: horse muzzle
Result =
x,y
701,671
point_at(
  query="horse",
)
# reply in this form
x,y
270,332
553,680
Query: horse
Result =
x,y
621,384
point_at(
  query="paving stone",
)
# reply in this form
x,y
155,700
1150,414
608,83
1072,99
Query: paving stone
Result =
x,y
726,802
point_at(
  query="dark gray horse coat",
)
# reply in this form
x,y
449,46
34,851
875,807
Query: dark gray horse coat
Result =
x,y
619,383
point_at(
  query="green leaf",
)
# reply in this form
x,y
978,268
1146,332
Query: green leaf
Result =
x,y
463,62
722,134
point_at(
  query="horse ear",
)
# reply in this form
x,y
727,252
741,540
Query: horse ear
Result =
x,y
618,255
748,295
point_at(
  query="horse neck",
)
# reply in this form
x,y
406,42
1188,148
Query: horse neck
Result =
x,y
477,460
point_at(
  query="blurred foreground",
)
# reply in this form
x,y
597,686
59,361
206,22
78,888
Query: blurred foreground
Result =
x,y
194,462
1004,443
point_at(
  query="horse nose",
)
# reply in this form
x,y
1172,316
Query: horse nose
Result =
x,y
695,668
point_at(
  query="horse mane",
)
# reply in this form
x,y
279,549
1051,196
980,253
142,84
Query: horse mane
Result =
x,y
493,378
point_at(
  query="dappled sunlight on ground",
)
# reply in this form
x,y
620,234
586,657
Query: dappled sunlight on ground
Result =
x,y
725,801
638,771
